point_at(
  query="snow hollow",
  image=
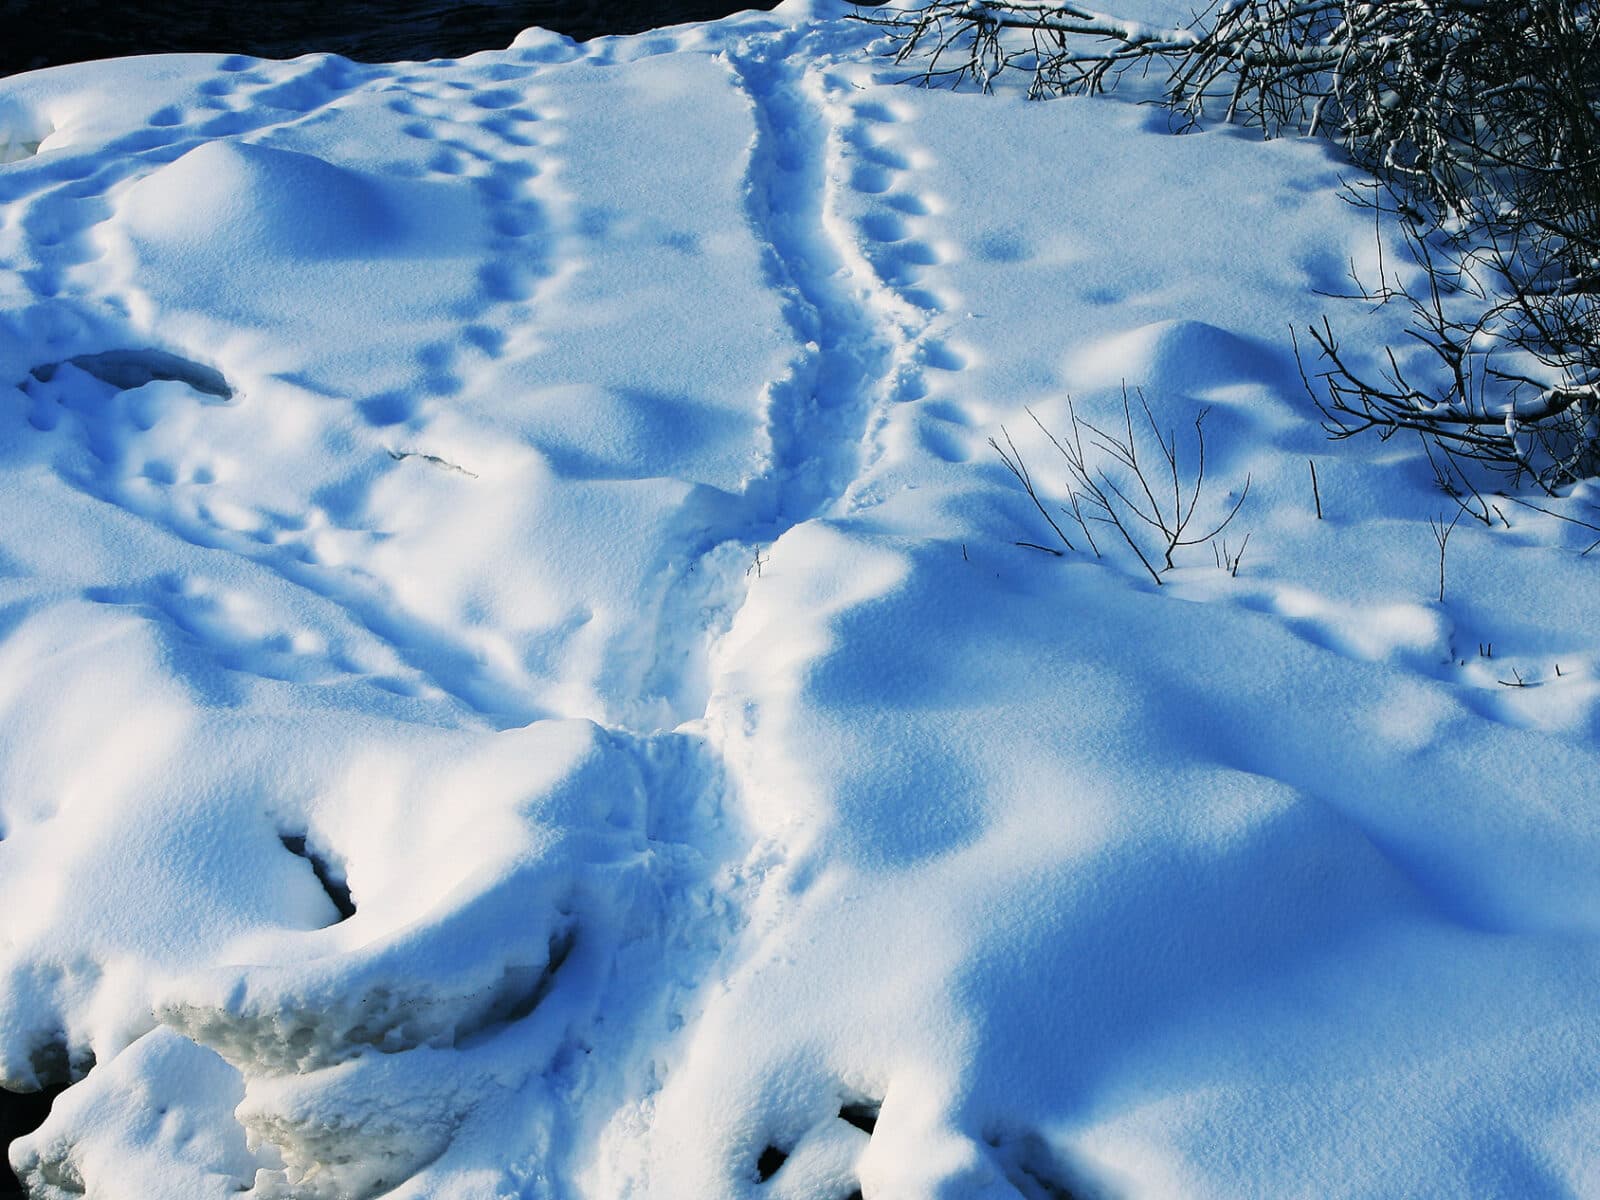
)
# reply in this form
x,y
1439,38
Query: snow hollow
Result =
x,y
517,677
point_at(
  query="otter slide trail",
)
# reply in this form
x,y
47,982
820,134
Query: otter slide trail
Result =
x,y
517,677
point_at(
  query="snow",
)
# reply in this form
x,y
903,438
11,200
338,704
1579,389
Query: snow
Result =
x,y
548,494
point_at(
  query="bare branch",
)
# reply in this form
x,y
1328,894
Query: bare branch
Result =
x,y
1096,494
1480,121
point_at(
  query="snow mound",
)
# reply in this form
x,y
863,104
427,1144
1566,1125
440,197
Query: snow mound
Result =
x,y
258,199
158,1121
22,131
1175,357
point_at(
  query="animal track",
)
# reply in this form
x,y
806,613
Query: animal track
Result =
x,y
877,111
62,201
230,628
496,98
943,443
871,178
158,450
1003,246
885,227
908,203
388,408
891,227
941,357
483,134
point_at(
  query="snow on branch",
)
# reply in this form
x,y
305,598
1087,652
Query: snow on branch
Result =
x,y
1479,121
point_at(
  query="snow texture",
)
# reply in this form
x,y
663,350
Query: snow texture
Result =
x,y
517,680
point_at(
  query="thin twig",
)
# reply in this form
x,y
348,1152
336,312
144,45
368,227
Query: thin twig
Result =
x,y
1441,534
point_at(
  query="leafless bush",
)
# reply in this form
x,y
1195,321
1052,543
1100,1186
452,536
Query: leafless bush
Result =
x,y
1130,480
1480,122
1503,368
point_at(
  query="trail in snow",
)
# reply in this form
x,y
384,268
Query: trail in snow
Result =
x,y
857,323
844,212
61,199
853,299
504,141
819,415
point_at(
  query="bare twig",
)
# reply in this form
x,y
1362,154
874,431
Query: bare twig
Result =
x,y
1480,122
1013,460
1441,534
432,460
1229,562
1112,481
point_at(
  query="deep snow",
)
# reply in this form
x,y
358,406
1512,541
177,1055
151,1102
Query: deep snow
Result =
x,y
547,494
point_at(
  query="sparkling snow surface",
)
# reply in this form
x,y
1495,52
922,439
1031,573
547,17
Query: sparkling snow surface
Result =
x,y
547,494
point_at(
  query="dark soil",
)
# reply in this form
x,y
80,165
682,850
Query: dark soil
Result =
x,y
42,33
20,1113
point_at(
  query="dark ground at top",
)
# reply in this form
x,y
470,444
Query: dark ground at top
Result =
x,y
42,33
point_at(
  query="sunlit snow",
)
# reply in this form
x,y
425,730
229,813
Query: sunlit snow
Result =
x,y
543,503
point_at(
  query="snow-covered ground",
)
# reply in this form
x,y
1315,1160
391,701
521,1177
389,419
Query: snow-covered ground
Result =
x,y
548,494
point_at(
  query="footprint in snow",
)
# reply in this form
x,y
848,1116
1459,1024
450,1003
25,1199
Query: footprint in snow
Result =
x,y
892,236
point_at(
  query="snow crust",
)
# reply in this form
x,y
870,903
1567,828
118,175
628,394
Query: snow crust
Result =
x,y
546,496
